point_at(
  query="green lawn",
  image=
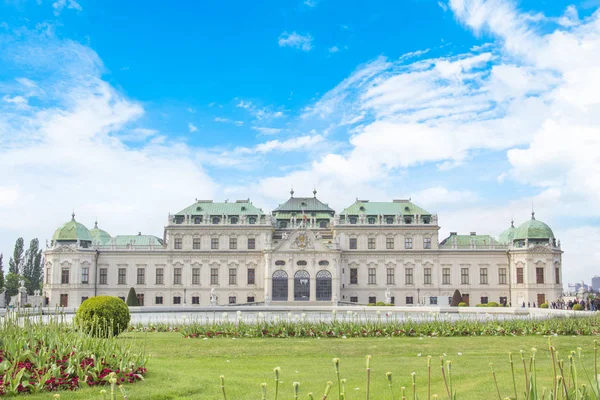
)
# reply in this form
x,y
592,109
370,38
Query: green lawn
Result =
x,y
190,368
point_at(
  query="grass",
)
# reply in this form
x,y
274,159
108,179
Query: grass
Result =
x,y
190,368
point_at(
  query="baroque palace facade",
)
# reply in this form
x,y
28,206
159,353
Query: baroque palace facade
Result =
x,y
304,252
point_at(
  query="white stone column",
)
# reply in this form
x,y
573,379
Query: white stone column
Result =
x,y
268,277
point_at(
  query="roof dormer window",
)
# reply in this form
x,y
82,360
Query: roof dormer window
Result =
x,y
197,220
362,208
389,220
216,220
408,220
353,220
251,220
371,220
233,220
243,208
198,208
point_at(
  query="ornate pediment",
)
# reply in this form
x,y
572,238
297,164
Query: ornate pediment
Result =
x,y
301,240
64,249
539,249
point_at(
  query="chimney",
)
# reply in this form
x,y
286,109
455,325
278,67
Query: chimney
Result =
x,y
473,233
139,233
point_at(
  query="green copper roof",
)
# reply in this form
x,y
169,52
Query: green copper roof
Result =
x,y
137,240
384,208
465,240
318,215
533,229
98,235
508,235
72,231
239,207
308,204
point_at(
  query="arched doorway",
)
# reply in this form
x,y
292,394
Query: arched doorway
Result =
x,y
323,286
280,285
301,286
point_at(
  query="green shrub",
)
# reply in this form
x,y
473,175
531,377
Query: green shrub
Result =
x,y
371,304
493,304
132,300
481,305
27,305
578,307
462,304
380,304
545,305
103,316
456,298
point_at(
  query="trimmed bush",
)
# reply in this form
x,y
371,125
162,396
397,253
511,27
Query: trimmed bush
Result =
x,y
103,316
493,304
380,304
578,307
456,298
545,305
132,300
462,304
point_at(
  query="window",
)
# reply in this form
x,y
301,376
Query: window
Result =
x,y
323,224
279,262
250,299
409,300
177,276
282,224
251,243
252,220
251,276
464,276
214,243
502,276
427,243
103,276
353,276
232,243
176,300
323,263
195,299
408,243
232,300
122,276
216,220
353,299
372,300
371,243
503,301
140,298
393,300
178,243
371,220
158,300
195,276
214,276
483,276
433,300
141,276
539,275
122,298
445,276
64,278
83,298
233,276
372,276
389,220
519,275
353,243
233,220
408,276
302,263
85,275
196,243
160,276
484,300
390,276
557,275
197,220
353,220
427,276
47,275
389,243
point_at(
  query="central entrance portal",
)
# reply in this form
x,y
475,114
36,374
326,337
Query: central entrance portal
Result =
x,y
302,286
280,285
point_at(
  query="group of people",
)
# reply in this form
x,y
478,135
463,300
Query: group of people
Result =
x,y
589,305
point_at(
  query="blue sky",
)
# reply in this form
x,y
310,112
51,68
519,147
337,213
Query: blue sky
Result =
x,y
476,109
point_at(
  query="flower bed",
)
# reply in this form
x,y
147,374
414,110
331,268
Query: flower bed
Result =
x,y
387,326
53,356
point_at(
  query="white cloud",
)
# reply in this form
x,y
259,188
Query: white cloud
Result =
x,y
443,6
310,3
266,131
59,5
68,151
229,121
295,40
334,49
192,128
259,113
293,144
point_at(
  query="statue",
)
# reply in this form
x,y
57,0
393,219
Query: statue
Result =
x,y
267,299
243,218
335,298
213,297
284,235
388,296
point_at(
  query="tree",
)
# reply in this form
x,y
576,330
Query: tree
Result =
x,y
132,300
456,298
1,272
32,269
15,264
13,282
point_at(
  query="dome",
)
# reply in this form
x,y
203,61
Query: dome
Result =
x,y
72,231
99,235
533,229
508,235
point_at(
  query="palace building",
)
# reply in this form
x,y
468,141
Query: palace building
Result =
x,y
304,252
